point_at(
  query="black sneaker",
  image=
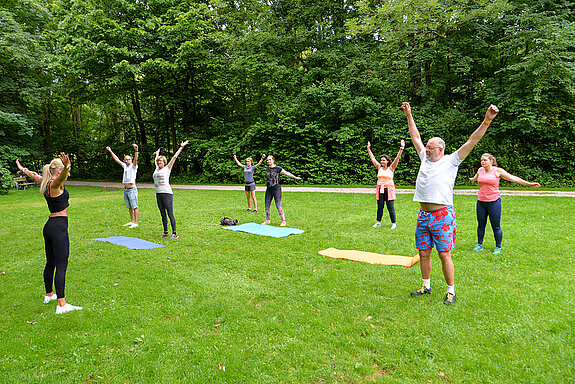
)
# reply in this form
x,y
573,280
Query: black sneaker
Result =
x,y
449,298
422,291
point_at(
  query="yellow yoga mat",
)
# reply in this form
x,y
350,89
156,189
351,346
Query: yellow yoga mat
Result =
x,y
370,257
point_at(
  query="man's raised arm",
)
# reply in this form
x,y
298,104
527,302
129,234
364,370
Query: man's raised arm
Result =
x,y
413,131
116,159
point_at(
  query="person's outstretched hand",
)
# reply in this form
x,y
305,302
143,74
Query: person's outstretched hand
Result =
x,y
406,108
65,160
492,111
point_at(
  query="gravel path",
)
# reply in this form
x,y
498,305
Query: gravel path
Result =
x,y
527,192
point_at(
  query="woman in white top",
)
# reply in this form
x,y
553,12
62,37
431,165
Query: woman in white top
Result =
x,y
164,195
385,189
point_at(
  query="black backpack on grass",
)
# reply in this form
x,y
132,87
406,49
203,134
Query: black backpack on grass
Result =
x,y
228,221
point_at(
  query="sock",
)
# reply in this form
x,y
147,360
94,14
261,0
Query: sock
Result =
x,y
426,283
451,289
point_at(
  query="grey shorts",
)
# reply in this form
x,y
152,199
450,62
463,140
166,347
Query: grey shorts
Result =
x,y
251,187
131,197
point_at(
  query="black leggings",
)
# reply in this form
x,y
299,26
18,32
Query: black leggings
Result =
x,y
166,204
383,201
274,193
57,246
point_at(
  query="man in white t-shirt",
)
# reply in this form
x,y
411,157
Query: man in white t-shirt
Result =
x,y
436,225
129,179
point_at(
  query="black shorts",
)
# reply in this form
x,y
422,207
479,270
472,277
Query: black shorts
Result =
x,y
250,188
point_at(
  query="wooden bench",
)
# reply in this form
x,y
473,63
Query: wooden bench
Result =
x,y
23,183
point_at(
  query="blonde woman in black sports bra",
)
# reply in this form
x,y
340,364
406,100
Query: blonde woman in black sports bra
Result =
x,y
55,231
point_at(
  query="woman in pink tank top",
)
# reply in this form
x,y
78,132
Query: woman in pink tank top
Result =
x,y
385,189
489,199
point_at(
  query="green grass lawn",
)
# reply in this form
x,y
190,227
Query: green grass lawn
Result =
x,y
273,310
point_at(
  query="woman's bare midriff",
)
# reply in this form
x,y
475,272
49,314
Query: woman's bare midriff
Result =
x,y
128,186
64,212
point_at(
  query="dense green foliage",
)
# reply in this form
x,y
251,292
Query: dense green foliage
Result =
x,y
273,310
308,82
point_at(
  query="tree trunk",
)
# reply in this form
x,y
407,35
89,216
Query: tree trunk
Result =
x,y
173,132
185,106
76,116
135,97
46,133
173,128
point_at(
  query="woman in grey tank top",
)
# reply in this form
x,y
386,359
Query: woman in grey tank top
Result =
x,y
250,183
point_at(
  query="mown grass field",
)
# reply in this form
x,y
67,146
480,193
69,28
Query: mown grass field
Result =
x,y
272,310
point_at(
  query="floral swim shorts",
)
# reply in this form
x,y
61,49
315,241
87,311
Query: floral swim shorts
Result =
x,y
437,228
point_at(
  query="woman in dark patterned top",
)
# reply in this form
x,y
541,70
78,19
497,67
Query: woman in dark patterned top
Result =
x,y
249,169
274,189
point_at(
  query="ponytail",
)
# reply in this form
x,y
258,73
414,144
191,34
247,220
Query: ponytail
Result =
x,y
47,173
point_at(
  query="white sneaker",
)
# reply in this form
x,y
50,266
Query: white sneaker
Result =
x,y
67,308
130,223
48,299
283,224
376,225
393,226
133,225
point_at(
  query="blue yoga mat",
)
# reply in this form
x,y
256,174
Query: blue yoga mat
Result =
x,y
130,242
265,230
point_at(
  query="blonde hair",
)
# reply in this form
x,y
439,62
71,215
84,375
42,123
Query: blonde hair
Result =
x,y
163,158
48,172
250,160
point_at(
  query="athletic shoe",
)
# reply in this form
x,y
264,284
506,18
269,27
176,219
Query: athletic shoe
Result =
x,y
174,236
497,251
478,247
422,291
248,209
164,235
255,210
67,308
393,226
130,223
48,299
376,225
266,222
449,298
283,224
133,225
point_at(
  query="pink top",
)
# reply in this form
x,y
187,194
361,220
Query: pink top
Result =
x,y
488,185
385,180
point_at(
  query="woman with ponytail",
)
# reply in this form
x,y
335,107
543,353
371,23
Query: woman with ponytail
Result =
x,y
55,231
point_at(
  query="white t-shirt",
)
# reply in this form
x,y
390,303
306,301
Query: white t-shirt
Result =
x,y
436,179
162,180
129,173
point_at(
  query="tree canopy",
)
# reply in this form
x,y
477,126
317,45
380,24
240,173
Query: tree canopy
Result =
x,y
308,82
